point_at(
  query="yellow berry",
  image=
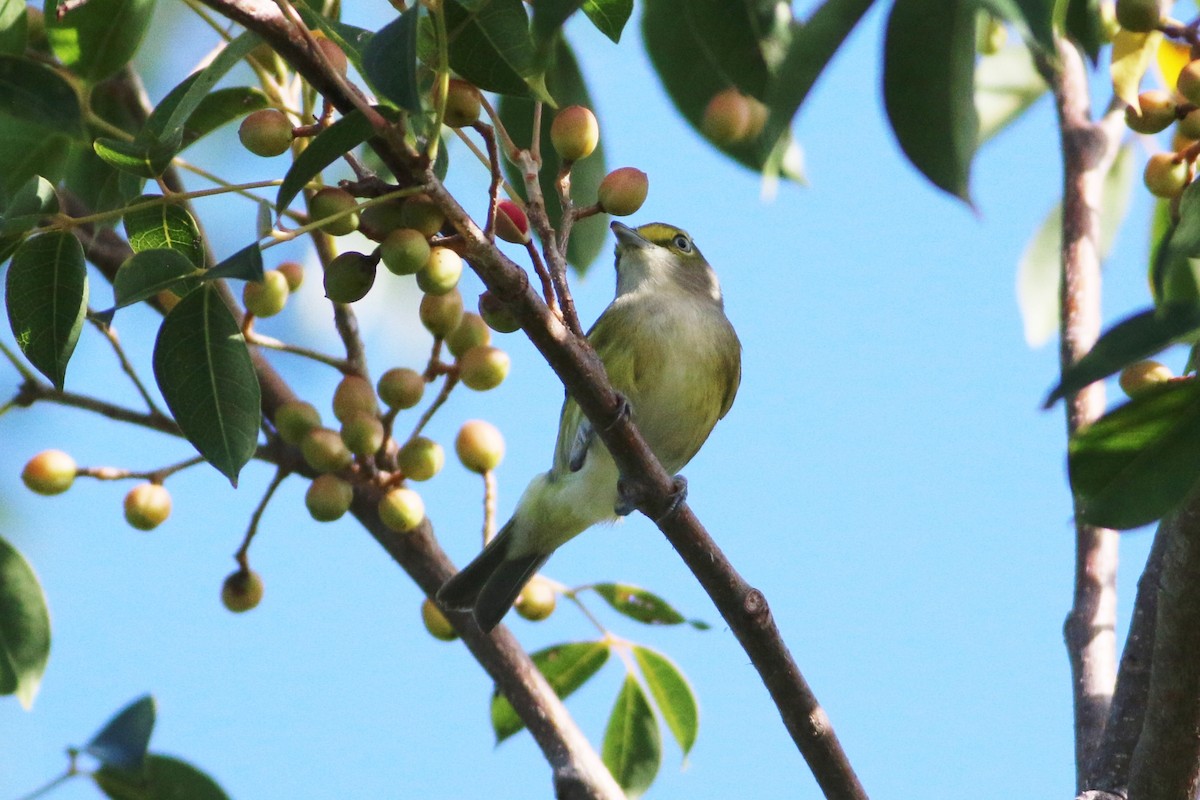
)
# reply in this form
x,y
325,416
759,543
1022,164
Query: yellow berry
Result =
x,y
1142,375
421,458
354,395
479,445
471,331
574,133
266,133
401,510
293,271
483,368
623,191
324,451
330,201
49,472
441,313
1165,175
1155,112
363,434
401,387
147,505
537,600
404,251
441,271
436,623
294,419
266,299
463,104
727,117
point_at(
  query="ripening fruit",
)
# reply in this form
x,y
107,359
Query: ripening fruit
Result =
x,y
378,220
574,133
332,200
421,213
266,133
497,314
404,251
1165,175
49,472
537,600
1138,16
512,225
623,191
479,445
483,368
363,434
294,419
332,52
421,458
354,395
1189,126
1155,112
293,271
325,451
328,498
1142,375
268,298
401,387
441,313
242,590
758,117
349,277
441,272
727,117
1189,82
436,623
147,505
401,510
463,104
471,331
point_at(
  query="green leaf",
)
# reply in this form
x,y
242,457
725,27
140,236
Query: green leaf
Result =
x,y
148,272
244,265
96,39
568,86
643,606
609,16
36,93
1085,27
1172,274
326,147
14,24
24,627
204,371
490,46
672,694
28,149
1136,463
352,39
47,295
1036,16
123,741
810,48
566,668
221,107
162,778
136,158
164,225
1006,84
632,748
928,82
548,18
390,61
31,203
1133,339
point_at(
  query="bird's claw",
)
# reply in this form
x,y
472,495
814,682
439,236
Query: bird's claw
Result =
x,y
624,411
678,495
627,502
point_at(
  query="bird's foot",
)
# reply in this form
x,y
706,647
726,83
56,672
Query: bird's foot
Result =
x,y
678,496
627,500
624,410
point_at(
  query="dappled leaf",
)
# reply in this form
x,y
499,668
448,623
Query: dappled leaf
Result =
x,y
136,158
14,26
123,741
164,225
162,778
24,627
566,667
206,376
632,748
47,295
928,81
29,205
672,695
144,274
390,61
1131,57
641,605
1136,463
97,38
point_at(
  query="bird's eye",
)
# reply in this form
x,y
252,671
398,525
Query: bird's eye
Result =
x,y
682,243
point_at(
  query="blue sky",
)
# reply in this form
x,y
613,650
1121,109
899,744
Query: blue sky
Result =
x,y
886,478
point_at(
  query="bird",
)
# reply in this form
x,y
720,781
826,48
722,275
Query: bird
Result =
x,y
673,356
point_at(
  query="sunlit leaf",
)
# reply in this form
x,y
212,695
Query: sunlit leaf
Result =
x,y
162,778
672,694
14,27
123,741
33,201
136,158
97,38
1136,463
1172,57
1131,57
566,667
47,295
1006,84
24,627
643,606
205,374
164,225
609,16
632,748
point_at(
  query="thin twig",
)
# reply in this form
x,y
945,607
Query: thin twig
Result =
x,y
153,475
438,402
489,506
110,333
37,392
242,552
258,340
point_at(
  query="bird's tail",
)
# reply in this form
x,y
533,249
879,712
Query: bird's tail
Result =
x,y
490,584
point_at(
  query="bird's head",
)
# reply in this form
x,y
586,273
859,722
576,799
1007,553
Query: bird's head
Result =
x,y
661,257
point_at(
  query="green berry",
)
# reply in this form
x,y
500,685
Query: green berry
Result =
x,y
330,201
727,117
441,271
266,299
242,591
623,191
294,419
324,451
421,458
378,220
1138,16
349,277
401,387
266,133
422,214
441,313
147,506
401,510
574,133
463,104
404,251
328,498
49,472
1188,83
483,368
537,600
497,315
332,52
436,623
363,434
1166,175
353,396
1155,112
471,331
479,445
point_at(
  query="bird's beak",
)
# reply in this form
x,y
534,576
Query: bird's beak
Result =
x,y
627,237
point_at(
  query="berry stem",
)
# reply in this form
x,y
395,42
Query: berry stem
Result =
x,y
489,506
242,554
110,333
